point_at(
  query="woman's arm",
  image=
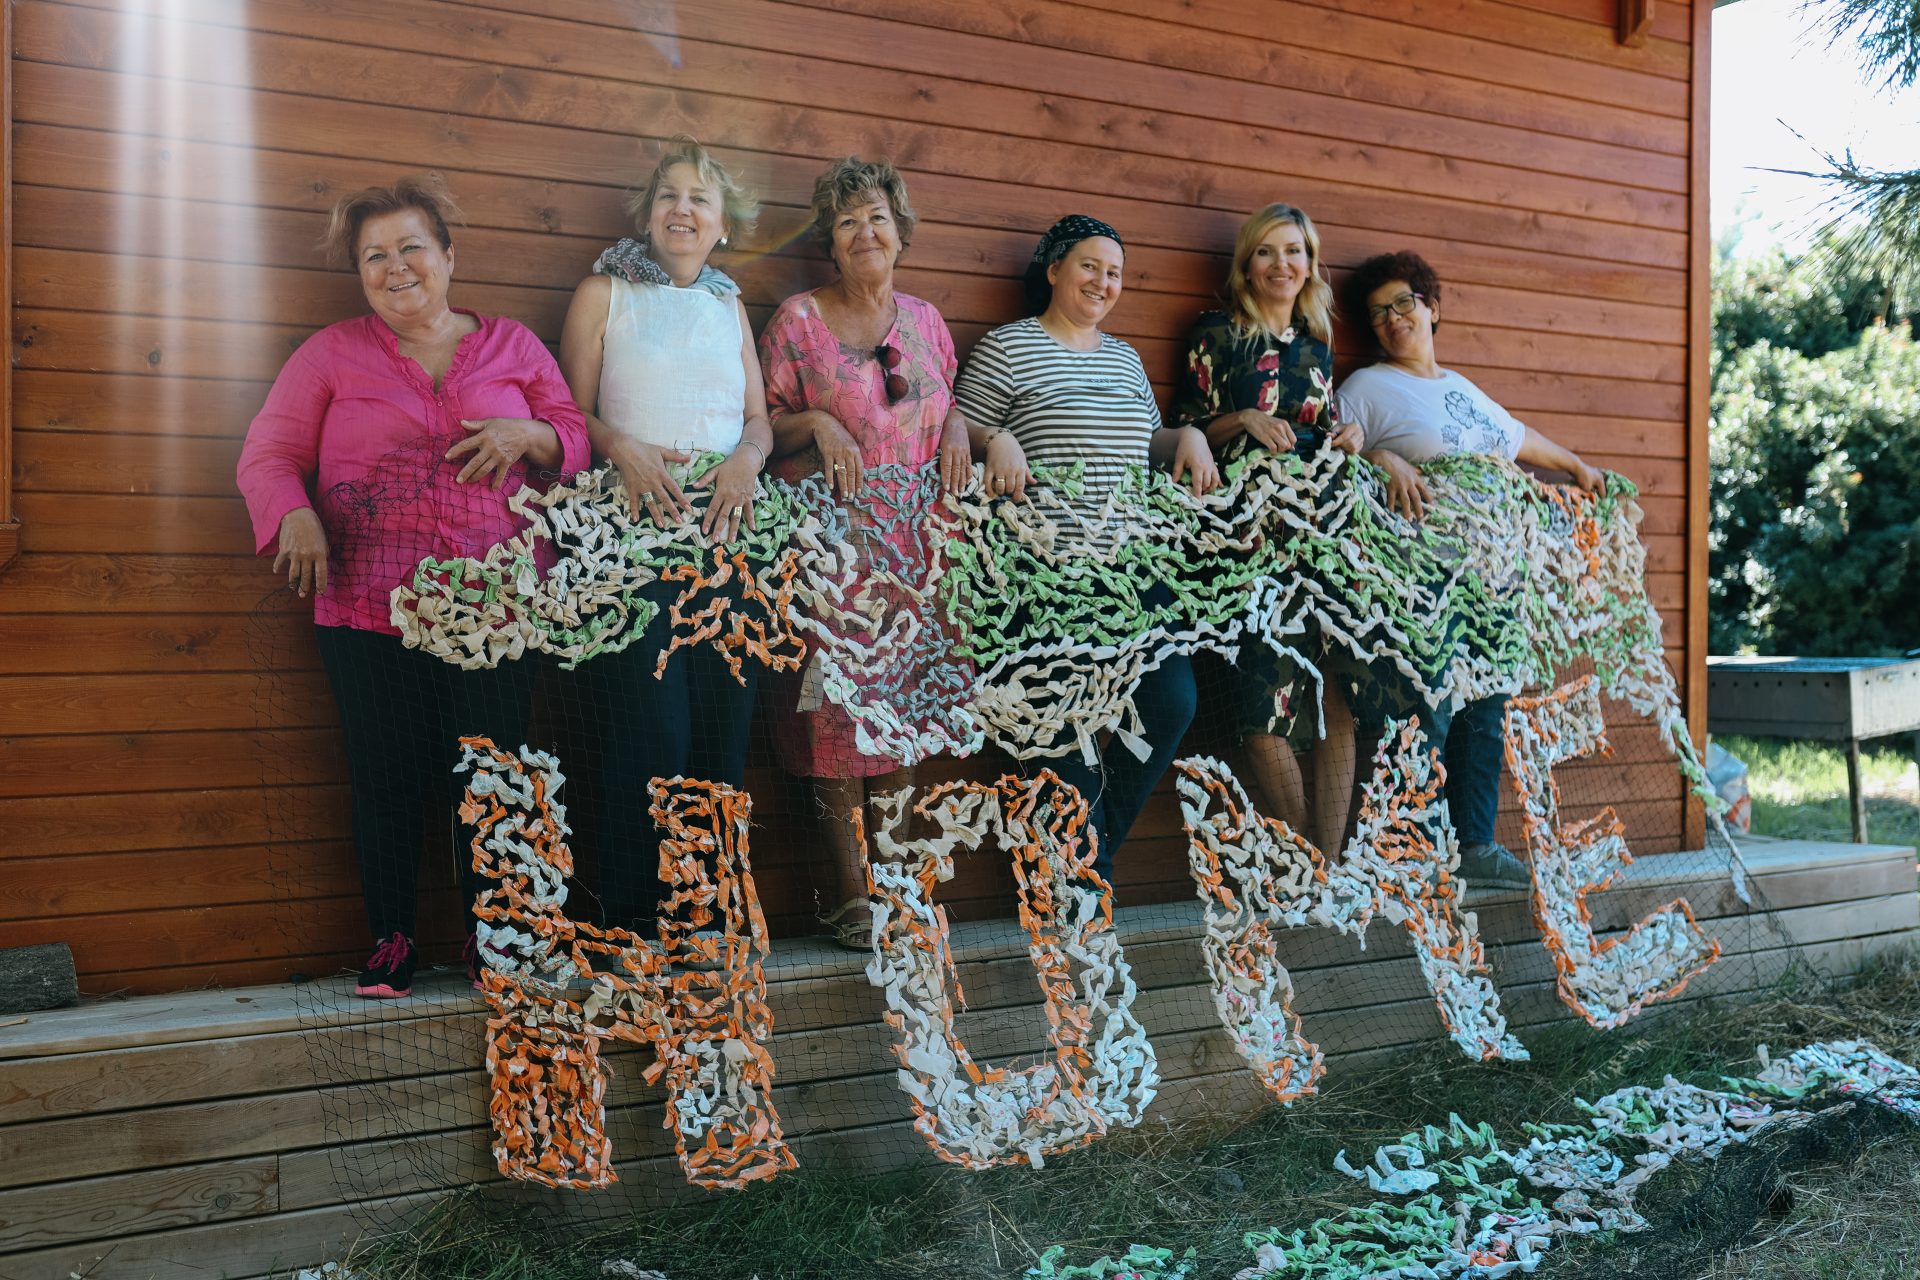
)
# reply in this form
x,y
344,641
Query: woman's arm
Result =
x,y
796,427
280,456
1538,451
730,509
983,392
651,488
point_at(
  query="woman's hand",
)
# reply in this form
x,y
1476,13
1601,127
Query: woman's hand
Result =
x,y
1006,472
839,456
1592,479
956,456
496,444
303,552
1348,437
651,488
1263,427
1407,490
730,509
1193,458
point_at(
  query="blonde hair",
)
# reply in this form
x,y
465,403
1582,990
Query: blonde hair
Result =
x,y
426,192
740,205
847,182
1315,302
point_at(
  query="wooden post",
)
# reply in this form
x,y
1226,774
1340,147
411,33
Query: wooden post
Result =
x,y
1693,675
9,527
1856,792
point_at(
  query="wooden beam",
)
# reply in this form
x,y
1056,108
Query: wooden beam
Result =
x,y
9,526
1636,19
1699,393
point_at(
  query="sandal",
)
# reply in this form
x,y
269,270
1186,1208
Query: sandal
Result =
x,y
851,924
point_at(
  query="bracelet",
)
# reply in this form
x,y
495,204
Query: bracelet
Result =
x,y
755,446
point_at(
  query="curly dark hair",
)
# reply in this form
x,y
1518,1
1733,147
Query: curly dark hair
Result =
x,y
1384,268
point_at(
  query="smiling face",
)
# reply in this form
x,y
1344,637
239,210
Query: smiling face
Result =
x,y
403,269
1407,339
1279,268
866,238
686,219
1086,283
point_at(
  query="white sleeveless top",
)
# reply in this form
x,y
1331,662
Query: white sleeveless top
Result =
x,y
671,372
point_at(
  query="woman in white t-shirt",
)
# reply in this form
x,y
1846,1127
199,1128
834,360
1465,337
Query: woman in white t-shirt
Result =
x,y
658,353
1411,410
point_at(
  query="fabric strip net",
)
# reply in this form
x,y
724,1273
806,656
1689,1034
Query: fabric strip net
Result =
x,y
865,839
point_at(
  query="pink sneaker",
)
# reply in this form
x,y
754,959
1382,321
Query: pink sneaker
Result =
x,y
389,971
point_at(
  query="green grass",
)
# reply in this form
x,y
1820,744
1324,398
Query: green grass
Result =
x,y
1799,789
1203,1185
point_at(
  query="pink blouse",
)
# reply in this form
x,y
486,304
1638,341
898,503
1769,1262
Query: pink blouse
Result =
x,y
357,431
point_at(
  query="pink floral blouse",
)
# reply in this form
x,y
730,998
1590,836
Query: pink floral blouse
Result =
x,y
807,367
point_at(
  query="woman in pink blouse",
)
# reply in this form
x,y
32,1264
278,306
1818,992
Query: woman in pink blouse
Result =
x,y
858,376
387,439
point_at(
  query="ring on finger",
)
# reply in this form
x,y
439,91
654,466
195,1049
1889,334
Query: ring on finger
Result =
x,y
736,513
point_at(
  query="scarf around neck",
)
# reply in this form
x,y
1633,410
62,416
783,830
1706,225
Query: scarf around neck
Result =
x,y
630,260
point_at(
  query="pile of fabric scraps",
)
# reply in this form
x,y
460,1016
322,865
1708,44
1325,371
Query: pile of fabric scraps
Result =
x,y
1465,1204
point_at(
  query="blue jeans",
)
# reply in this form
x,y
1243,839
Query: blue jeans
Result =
x,y
1118,786
1476,748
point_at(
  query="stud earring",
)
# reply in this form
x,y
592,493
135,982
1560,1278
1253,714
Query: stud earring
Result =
x,y
723,242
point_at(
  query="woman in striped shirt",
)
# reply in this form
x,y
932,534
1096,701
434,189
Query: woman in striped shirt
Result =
x,y
1053,389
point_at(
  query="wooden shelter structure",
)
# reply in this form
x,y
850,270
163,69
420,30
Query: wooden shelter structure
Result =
x,y
168,167
171,164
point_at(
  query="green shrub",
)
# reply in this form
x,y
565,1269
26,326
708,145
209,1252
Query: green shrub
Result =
x,y
1815,526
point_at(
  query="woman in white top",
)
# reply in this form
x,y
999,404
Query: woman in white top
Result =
x,y
1054,389
659,355
1411,410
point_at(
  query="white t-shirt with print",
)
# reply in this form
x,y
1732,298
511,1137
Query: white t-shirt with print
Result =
x,y
1425,418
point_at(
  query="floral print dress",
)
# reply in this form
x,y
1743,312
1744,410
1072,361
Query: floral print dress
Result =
x,y
1290,378
807,367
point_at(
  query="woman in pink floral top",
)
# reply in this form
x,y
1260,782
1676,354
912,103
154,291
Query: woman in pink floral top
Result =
x,y
858,376
387,439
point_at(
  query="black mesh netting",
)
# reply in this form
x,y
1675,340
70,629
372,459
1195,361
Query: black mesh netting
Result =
x,y
925,826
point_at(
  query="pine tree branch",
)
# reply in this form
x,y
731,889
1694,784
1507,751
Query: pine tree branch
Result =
x,y
1872,216
1886,31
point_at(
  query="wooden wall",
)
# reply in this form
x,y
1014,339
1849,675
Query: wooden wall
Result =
x,y
171,175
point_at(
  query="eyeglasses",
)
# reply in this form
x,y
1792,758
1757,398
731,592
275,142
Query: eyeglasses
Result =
x,y
897,384
1400,306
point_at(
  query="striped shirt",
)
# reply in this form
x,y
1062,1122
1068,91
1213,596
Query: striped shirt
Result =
x,y
1063,406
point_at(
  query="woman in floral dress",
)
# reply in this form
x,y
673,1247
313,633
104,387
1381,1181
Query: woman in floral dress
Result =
x,y
858,376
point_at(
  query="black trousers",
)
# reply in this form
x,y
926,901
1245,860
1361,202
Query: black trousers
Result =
x,y
692,720
404,713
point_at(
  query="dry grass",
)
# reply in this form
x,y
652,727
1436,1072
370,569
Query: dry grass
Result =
x,y
1851,1214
